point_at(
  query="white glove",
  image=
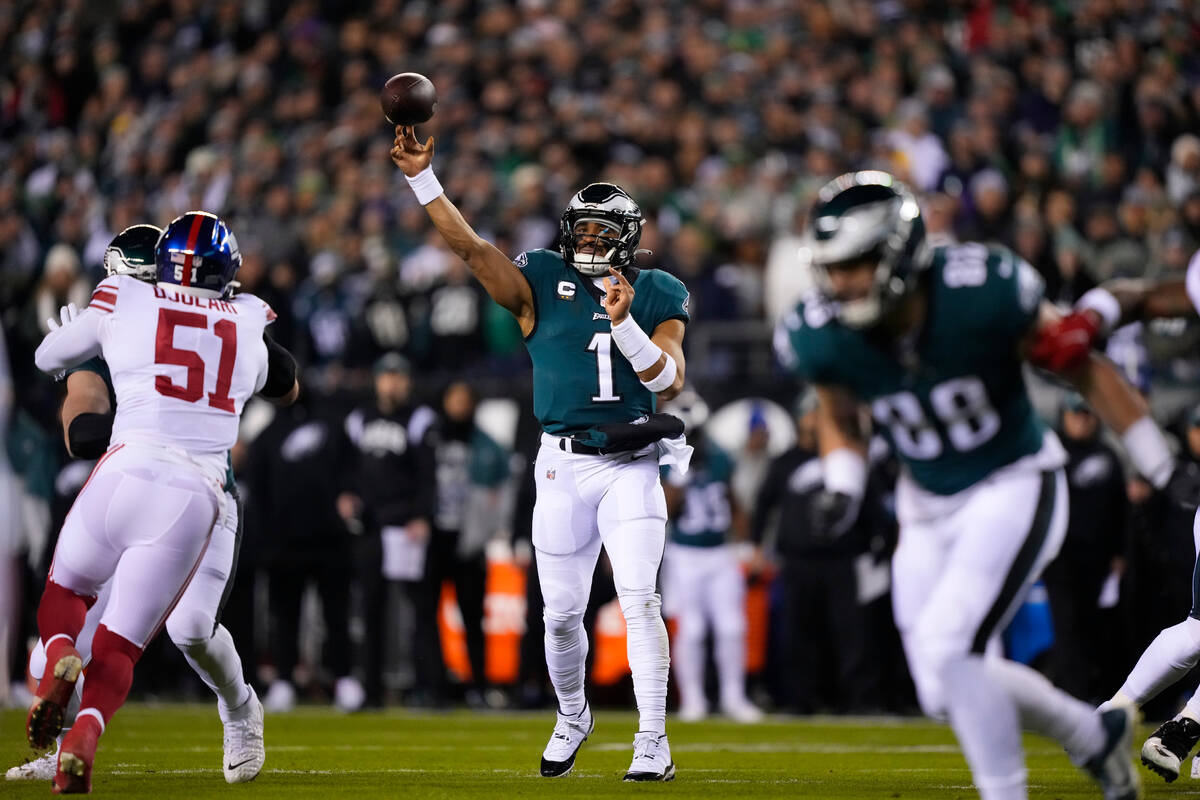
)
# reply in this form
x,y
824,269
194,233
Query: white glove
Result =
x,y
67,313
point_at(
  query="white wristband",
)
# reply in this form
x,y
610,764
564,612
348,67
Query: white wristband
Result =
x,y
635,345
663,380
1106,305
425,185
1149,452
845,472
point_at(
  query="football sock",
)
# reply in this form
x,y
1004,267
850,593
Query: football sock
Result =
x,y
109,676
1048,710
730,655
1191,709
217,663
649,658
566,654
1169,657
689,668
61,612
985,721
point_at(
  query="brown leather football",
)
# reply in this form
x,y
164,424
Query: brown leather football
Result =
x,y
408,99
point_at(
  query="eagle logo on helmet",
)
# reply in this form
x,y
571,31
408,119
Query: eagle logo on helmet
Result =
x,y
131,252
862,215
617,229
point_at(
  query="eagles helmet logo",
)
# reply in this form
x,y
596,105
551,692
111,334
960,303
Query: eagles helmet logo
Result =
x,y
131,252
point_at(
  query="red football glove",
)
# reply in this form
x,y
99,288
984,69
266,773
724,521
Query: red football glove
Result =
x,y
1065,343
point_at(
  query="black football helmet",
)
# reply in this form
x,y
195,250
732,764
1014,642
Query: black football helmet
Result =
x,y
610,205
861,215
131,252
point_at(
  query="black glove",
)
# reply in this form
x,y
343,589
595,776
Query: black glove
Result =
x,y
830,514
621,437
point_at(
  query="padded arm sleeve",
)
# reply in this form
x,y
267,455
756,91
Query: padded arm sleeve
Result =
x,y
88,434
281,369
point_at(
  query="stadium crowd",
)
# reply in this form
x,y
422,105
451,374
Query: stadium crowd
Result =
x,y
1064,131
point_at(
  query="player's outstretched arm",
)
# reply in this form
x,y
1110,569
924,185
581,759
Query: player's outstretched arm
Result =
x,y
69,344
842,443
1106,390
492,268
87,417
1124,300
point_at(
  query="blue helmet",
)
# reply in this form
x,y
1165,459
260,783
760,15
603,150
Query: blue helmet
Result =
x,y
197,249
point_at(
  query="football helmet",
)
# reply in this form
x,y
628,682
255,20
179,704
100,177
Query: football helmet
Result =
x,y
131,252
867,214
197,250
609,205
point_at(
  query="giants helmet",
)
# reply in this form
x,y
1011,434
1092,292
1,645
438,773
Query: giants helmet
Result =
x,y
609,205
131,252
198,250
867,214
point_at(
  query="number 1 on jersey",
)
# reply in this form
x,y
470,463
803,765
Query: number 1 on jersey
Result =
x,y
601,345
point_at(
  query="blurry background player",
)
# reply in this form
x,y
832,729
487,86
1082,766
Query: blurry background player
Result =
x,y
606,341
194,625
934,341
704,589
1176,650
146,515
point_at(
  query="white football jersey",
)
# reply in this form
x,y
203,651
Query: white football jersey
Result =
x,y
182,366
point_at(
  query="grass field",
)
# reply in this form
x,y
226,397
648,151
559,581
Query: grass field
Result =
x,y
174,751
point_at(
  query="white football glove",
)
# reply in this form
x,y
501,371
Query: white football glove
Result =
x,y
67,314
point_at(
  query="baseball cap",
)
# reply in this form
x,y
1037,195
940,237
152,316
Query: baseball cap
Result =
x,y
392,362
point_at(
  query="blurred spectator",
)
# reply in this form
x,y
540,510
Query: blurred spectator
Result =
x,y
473,507
1093,551
387,499
294,476
828,631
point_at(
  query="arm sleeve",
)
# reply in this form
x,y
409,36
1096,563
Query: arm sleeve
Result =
x,y
89,433
70,344
281,369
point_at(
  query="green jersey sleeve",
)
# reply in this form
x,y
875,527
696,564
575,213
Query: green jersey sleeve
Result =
x,y
993,280
94,364
669,298
805,342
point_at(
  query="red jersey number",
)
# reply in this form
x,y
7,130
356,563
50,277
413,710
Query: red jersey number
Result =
x,y
165,352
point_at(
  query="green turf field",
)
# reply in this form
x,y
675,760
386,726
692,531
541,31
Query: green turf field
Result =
x,y
175,751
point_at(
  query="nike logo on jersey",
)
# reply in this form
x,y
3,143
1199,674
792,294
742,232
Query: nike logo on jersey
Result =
x,y
597,315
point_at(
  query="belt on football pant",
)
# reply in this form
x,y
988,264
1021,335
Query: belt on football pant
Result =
x,y
569,445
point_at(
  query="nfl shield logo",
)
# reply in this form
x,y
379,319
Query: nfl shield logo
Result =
x,y
550,474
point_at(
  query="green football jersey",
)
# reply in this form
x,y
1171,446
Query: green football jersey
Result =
x,y
955,408
97,365
580,378
706,515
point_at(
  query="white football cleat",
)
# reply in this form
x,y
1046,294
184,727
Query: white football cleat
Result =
x,y
40,769
569,735
651,758
281,697
743,711
245,752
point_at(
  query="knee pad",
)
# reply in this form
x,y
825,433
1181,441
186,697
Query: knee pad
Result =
x,y
561,623
188,627
638,606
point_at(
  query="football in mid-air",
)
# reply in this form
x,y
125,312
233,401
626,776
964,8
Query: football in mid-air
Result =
x,y
408,99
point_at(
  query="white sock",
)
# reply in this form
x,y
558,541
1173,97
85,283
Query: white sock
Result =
x,y
566,655
649,658
1048,710
1191,709
217,663
985,720
688,659
1169,657
730,652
